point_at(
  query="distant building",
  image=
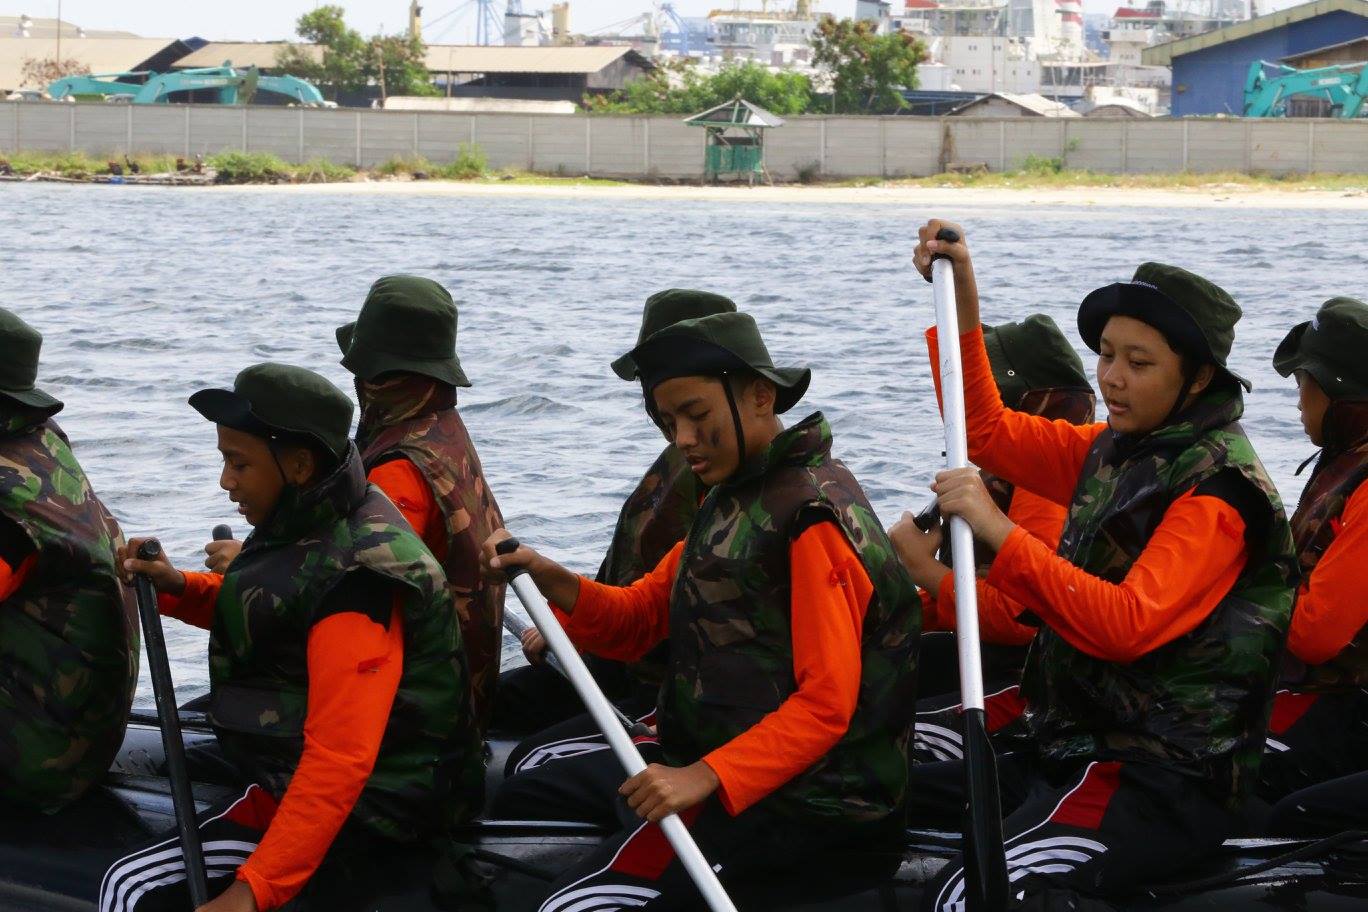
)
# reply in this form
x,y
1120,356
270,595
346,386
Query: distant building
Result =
x,y
96,54
260,54
1007,104
539,73
1209,70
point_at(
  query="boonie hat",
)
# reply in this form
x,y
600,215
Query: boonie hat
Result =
x,y
281,402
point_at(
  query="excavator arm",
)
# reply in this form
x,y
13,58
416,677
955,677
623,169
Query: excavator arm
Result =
x,y
234,85
1266,93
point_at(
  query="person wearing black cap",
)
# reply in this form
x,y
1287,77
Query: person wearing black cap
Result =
x,y
1164,610
655,517
68,629
1319,730
338,685
1038,372
784,716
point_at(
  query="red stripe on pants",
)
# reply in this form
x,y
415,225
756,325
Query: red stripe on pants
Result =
x,y
1086,805
648,853
1288,707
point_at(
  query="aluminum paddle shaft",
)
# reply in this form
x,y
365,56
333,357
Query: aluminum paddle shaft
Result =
x,y
984,859
680,839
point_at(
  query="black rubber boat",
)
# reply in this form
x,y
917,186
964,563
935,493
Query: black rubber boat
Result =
x,y
54,863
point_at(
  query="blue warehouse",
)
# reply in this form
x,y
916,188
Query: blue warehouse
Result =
x,y
1209,70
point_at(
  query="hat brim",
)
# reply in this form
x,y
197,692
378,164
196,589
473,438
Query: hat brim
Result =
x,y
1150,306
367,365
344,335
1289,357
792,384
225,407
626,367
35,398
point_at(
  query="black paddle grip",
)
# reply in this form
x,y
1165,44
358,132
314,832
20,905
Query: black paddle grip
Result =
x,y
149,550
222,532
950,236
508,546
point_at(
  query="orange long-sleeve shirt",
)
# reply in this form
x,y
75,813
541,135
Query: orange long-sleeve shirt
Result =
x,y
1185,570
997,612
11,578
354,670
404,484
1331,609
831,592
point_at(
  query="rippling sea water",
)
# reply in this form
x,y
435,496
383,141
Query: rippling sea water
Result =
x,y
145,295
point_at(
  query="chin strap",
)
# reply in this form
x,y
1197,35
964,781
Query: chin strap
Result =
x,y
1189,378
736,421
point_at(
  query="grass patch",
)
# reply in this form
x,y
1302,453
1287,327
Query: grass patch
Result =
x,y
250,168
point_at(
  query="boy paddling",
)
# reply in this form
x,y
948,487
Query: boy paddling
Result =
x,y
1317,757
783,719
1162,612
68,627
338,682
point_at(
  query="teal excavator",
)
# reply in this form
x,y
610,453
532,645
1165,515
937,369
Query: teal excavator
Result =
x,y
235,85
1269,86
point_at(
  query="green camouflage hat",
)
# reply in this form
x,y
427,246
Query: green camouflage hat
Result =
x,y
1032,355
280,401
407,323
1330,348
1195,316
715,346
19,347
665,308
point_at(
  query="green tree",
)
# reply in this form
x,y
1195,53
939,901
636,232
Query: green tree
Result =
x,y
677,87
867,70
398,65
338,59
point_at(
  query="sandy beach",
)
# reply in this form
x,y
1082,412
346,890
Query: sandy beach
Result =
x,y
1212,196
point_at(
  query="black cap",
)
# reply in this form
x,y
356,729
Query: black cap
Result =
x,y
281,402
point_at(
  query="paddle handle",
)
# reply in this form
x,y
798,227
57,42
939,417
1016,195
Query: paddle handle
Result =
x,y
957,457
702,873
163,690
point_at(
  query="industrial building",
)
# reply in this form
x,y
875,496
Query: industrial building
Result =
x,y
1209,70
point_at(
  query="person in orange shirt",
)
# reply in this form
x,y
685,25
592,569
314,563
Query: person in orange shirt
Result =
x,y
1319,729
338,685
1163,611
415,448
1038,372
783,721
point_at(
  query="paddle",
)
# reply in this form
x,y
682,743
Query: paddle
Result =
x,y
680,839
985,862
517,627
169,719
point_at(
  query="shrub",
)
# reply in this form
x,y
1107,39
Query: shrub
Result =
x,y
322,171
250,168
470,163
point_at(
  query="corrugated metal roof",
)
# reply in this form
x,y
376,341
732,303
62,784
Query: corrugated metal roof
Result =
x,y
472,58
1034,103
37,28
736,113
102,55
260,54
1163,54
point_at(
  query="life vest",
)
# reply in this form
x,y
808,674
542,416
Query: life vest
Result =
x,y
1199,703
438,444
1341,468
656,516
731,653
69,634
429,772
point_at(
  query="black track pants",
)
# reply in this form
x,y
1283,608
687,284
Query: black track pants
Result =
x,y
939,734
572,738
636,868
1313,738
1106,828
1324,809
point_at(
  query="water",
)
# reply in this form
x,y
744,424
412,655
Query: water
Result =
x,y
146,295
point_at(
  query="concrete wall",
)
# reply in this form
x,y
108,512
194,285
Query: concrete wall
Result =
x,y
647,147
1212,80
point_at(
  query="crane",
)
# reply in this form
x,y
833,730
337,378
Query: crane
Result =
x,y
669,12
1345,86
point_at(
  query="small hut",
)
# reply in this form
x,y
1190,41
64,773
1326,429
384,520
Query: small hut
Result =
x,y
735,139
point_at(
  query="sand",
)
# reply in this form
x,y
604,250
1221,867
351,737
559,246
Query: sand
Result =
x,y
1215,196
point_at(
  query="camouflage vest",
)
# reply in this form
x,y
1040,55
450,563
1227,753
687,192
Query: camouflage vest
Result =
x,y
731,651
68,634
1341,468
1200,702
1004,661
438,444
429,771
656,517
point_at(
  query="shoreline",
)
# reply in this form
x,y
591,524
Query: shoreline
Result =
x,y
1212,196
